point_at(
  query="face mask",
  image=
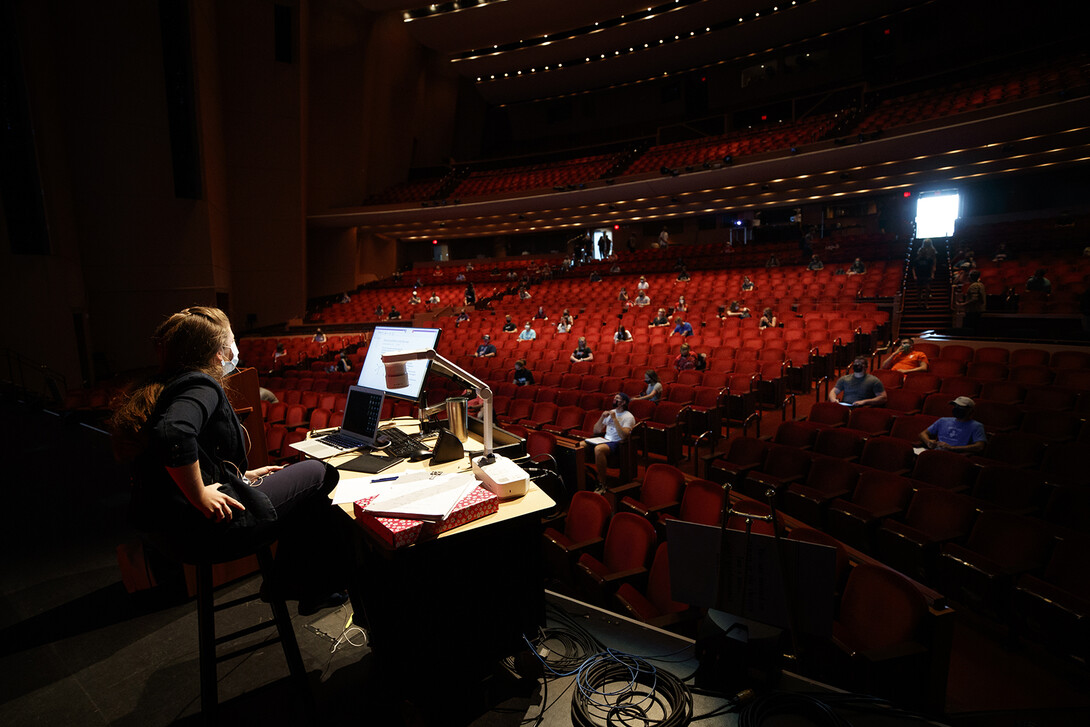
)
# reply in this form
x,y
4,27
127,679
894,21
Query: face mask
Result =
x,y
229,366
858,369
960,411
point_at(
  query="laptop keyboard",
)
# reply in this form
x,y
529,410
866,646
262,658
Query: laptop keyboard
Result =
x,y
340,441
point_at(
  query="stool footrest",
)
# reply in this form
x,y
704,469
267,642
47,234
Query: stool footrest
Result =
x,y
235,635
224,605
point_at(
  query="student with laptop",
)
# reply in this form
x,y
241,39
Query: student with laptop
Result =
x,y
191,483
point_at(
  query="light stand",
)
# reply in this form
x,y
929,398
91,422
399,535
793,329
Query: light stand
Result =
x,y
500,474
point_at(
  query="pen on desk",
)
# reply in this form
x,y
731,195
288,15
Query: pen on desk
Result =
x,y
384,479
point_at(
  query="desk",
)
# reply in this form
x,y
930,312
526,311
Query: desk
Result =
x,y
452,606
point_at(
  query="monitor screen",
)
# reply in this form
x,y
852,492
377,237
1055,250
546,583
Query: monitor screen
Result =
x,y
391,340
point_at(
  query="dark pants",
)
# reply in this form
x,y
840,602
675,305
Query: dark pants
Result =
x,y
313,555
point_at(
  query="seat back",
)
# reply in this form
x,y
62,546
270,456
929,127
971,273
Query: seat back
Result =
x,y
909,426
880,608
878,491
662,484
795,434
940,514
538,443
702,502
1014,542
870,420
588,513
840,442
629,542
658,583
944,469
829,414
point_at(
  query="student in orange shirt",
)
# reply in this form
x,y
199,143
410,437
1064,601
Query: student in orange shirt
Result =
x,y
904,359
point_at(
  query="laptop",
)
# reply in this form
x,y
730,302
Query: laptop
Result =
x,y
362,413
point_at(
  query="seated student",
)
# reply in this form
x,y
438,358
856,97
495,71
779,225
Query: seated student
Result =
x,y
595,276
660,319
582,352
487,348
682,305
394,314
858,388
462,318
564,325
522,375
904,359
768,319
1038,282
682,327
622,296
343,364
736,310
654,386
684,361
319,337
815,263
509,325
747,284
280,352
414,299
701,363
524,293
642,299
528,333
434,299
615,425
857,267
772,262
683,276
380,312
622,334
959,433
643,284
541,315
614,268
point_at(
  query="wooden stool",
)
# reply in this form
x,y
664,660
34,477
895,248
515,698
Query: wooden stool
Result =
x,y
208,641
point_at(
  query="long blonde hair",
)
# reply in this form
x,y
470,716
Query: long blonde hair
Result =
x,y
186,341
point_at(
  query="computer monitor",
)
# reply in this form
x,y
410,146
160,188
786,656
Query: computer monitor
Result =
x,y
389,339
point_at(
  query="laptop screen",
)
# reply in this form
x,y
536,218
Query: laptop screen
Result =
x,y
362,413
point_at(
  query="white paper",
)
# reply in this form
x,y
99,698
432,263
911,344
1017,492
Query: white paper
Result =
x,y
356,488
425,500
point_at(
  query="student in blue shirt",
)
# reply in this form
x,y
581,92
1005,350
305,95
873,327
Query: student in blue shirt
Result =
x,y
682,327
959,433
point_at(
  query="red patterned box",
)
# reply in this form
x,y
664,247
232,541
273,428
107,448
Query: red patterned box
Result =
x,y
399,532
394,532
474,506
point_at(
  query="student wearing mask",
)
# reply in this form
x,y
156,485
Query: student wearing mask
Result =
x,y
528,333
582,352
615,425
654,387
905,359
858,388
959,433
487,348
522,375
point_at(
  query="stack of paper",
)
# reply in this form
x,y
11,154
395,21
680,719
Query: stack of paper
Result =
x,y
415,495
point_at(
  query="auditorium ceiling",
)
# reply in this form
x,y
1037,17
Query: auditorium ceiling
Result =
x,y
516,50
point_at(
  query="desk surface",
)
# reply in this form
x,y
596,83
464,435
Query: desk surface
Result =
x,y
535,500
